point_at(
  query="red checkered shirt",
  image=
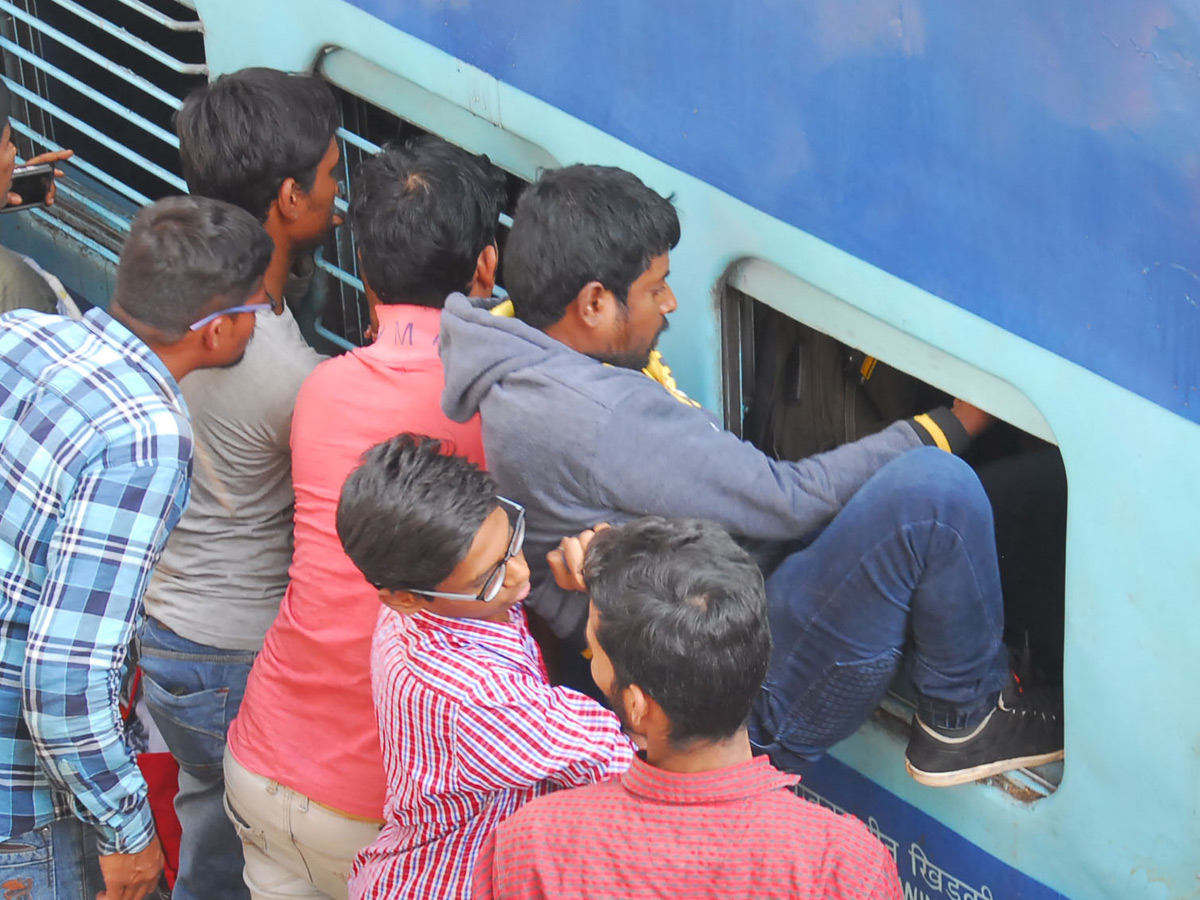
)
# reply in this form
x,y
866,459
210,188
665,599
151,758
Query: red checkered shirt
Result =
x,y
471,731
735,832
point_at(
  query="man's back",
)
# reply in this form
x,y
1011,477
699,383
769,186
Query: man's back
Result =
x,y
94,449
225,567
650,833
471,731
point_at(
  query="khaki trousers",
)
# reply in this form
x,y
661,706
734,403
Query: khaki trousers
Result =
x,y
295,848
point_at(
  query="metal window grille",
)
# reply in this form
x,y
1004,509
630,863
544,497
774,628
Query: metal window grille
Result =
x,y
102,77
105,77
365,129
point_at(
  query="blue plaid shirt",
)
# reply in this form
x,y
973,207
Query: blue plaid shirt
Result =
x,y
95,458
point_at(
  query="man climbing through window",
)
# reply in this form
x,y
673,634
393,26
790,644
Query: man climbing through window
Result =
x,y
878,550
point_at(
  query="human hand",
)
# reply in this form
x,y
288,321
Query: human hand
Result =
x,y
973,419
131,876
53,156
566,560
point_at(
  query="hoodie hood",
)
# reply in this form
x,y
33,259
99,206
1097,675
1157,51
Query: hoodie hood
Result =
x,y
479,349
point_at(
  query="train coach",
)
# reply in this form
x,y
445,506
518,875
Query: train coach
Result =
x,y
880,199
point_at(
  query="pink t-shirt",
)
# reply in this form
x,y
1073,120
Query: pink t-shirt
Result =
x,y
307,720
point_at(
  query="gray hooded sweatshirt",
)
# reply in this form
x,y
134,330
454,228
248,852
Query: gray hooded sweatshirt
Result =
x,y
578,442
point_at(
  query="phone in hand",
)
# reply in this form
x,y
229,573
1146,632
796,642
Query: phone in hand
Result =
x,y
32,183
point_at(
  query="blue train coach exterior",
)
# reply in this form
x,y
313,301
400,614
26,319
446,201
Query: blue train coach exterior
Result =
x,y
1002,199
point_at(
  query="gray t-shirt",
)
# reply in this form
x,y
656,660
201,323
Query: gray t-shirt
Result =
x,y
225,567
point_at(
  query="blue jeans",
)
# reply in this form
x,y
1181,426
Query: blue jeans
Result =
x,y
907,569
55,862
193,692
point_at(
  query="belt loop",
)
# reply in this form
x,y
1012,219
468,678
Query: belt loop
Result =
x,y
272,787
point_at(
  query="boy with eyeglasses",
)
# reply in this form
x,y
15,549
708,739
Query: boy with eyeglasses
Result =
x,y
471,730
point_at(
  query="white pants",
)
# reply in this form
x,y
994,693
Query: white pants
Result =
x,y
295,849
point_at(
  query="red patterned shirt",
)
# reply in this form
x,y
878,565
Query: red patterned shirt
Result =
x,y
471,731
735,832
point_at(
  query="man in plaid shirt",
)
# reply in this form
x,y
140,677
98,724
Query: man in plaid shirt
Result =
x,y
95,458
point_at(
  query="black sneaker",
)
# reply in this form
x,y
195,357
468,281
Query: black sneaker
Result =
x,y
1025,729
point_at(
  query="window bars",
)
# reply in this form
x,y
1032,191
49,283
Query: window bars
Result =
x,y
102,77
105,77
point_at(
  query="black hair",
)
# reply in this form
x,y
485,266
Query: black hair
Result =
x,y
243,135
5,104
682,614
186,257
421,213
582,224
409,513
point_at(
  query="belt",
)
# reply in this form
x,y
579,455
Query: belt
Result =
x,y
346,815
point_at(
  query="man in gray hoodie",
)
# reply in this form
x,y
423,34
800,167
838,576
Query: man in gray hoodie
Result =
x,y
876,551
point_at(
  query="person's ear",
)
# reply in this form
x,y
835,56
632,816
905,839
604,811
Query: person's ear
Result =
x,y
401,601
215,334
593,305
288,200
637,708
483,282
371,332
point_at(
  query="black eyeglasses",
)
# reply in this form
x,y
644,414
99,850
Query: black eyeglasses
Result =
x,y
495,580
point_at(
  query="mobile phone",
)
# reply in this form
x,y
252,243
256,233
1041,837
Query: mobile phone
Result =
x,y
32,183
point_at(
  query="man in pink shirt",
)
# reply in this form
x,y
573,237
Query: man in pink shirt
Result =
x,y
304,774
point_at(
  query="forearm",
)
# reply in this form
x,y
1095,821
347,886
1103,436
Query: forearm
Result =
x,y
585,739
688,468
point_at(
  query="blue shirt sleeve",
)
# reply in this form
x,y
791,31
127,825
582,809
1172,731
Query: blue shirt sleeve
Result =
x,y
108,539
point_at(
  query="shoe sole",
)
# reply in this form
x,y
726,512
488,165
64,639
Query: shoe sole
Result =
x,y
966,776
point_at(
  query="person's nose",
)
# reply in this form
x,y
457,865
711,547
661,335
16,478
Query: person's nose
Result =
x,y
670,304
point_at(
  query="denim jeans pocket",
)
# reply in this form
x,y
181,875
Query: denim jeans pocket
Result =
x,y
193,724
27,866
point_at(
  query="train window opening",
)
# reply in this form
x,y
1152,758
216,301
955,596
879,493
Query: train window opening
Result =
x,y
366,128
794,390
103,79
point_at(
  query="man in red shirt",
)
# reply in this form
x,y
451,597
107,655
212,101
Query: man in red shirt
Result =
x,y
678,632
